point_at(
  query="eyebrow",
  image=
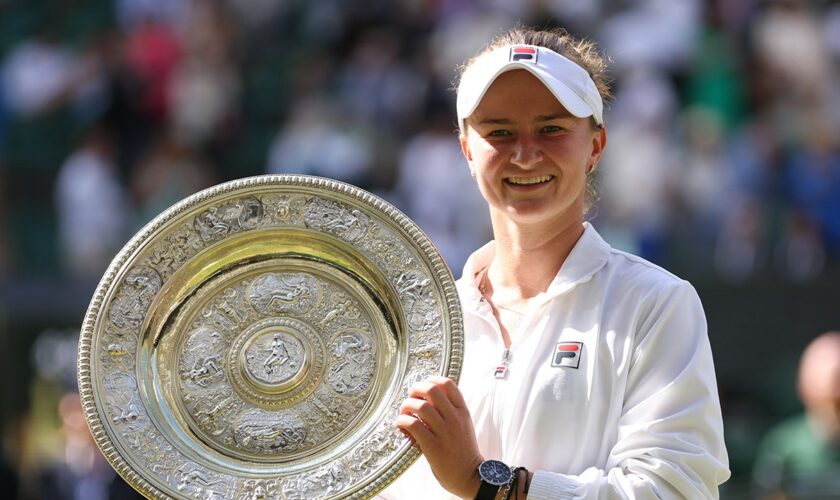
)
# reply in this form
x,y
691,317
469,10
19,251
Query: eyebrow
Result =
x,y
541,118
495,121
555,116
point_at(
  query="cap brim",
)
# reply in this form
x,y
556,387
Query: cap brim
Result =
x,y
573,103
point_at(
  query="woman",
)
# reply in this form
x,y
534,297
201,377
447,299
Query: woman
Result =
x,y
587,372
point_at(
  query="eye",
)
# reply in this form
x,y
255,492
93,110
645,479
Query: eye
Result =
x,y
551,129
498,133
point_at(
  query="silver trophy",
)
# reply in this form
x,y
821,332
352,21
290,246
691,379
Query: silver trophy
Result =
x,y
256,340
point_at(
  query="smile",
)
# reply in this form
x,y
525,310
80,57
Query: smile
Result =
x,y
525,181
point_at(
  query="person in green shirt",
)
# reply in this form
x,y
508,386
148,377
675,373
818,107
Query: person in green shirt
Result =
x,y
800,457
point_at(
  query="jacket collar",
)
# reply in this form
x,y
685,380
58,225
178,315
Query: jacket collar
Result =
x,y
587,257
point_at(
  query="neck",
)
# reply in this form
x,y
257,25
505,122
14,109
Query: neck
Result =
x,y
528,257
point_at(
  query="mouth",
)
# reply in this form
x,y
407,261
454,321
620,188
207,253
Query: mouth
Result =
x,y
529,181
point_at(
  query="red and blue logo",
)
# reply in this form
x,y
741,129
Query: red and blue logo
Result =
x,y
567,354
523,54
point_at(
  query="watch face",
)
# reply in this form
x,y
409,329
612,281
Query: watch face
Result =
x,y
494,472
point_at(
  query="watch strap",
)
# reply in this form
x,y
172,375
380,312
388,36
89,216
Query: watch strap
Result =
x,y
486,491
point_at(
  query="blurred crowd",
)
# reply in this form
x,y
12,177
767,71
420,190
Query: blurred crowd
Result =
x,y
723,157
723,160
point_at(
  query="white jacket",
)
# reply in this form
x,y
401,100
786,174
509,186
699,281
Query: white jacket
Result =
x,y
639,416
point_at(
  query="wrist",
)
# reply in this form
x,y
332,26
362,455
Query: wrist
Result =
x,y
473,483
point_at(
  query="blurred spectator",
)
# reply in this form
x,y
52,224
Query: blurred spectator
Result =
x,y
376,87
131,13
153,52
800,254
796,65
639,166
92,206
205,85
171,172
704,185
800,458
814,171
82,473
641,39
318,139
38,74
740,251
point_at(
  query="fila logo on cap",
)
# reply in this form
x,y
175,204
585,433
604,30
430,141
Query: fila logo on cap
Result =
x,y
567,354
523,54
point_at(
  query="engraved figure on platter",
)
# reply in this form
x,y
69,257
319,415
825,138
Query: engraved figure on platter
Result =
x,y
216,221
248,213
389,251
412,284
373,451
255,489
128,411
121,395
350,224
344,308
192,481
227,305
279,354
201,357
353,369
204,370
283,292
269,432
169,255
209,224
325,481
133,300
274,357
211,411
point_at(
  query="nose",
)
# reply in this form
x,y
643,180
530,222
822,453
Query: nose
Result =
x,y
526,152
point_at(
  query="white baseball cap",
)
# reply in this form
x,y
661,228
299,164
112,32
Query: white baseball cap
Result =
x,y
570,83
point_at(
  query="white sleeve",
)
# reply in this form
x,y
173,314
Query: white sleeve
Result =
x,y
670,433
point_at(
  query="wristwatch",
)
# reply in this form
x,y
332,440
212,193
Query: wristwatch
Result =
x,y
493,474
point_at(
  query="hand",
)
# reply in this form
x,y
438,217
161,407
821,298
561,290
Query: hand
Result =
x,y
436,417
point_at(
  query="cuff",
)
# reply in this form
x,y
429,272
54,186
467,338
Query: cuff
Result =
x,y
551,486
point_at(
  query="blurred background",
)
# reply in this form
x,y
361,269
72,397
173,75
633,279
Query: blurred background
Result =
x,y
723,165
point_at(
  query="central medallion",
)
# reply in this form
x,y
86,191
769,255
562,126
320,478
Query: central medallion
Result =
x,y
275,360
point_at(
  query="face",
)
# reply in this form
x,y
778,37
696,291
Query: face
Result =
x,y
529,155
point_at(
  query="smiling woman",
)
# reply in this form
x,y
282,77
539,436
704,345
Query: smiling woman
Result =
x,y
529,154
586,368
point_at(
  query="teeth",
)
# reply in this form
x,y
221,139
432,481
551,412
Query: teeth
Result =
x,y
529,180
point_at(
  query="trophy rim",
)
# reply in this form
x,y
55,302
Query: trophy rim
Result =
x,y
411,232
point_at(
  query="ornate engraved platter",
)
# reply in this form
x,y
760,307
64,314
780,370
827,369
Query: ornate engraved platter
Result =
x,y
256,340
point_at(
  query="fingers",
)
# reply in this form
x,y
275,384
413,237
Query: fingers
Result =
x,y
442,393
433,410
426,411
416,430
451,389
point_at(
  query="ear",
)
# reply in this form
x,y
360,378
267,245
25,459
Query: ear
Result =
x,y
465,150
599,142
